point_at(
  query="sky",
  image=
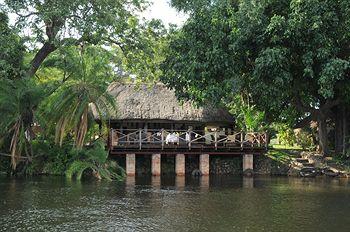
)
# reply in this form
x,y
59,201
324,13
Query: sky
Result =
x,y
161,9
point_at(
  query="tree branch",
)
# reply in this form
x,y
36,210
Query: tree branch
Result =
x,y
52,28
40,56
305,122
116,43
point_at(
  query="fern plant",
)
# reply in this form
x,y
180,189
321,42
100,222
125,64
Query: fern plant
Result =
x,y
95,160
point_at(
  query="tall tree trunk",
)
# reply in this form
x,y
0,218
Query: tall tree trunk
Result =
x,y
339,126
345,130
40,56
341,129
322,133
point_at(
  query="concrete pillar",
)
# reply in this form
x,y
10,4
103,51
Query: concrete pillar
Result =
x,y
204,164
180,164
156,163
130,164
247,162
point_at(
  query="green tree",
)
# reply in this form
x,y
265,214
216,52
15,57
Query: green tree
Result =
x,y
290,55
60,23
11,51
69,107
247,117
17,98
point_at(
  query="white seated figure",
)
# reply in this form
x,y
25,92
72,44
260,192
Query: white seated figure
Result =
x,y
171,138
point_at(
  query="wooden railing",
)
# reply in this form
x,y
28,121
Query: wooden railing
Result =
x,y
162,138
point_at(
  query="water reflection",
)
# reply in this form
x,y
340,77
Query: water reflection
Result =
x,y
248,182
130,183
180,182
204,183
156,182
169,203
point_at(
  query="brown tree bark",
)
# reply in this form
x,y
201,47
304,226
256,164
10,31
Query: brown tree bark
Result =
x,y
345,136
338,130
52,26
40,56
322,133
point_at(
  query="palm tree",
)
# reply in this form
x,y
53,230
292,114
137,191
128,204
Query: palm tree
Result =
x,y
69,107
18,99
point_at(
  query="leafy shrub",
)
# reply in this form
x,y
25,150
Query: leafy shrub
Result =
x,y
305,140
248,118
96,160
49,158
286,136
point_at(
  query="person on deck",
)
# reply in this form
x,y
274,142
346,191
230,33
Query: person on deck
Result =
x,y
172,138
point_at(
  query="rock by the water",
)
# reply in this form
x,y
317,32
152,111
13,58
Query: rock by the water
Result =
x,y
330,172
196,172
308,172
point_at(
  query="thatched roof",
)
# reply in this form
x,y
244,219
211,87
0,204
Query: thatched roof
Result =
x,y
160,103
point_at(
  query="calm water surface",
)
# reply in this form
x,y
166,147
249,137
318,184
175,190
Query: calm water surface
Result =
x,y
175,204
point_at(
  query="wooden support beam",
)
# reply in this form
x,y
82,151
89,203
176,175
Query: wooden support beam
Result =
x,y
162,133
140,138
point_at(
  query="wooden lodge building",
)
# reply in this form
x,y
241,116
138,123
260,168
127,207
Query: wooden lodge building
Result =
x,y
150,121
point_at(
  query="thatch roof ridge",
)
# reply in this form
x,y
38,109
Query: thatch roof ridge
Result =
x,y
160,102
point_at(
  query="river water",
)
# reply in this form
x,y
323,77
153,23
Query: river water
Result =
x,y
220,203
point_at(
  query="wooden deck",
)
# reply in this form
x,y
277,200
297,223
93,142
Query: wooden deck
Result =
x,y
143,141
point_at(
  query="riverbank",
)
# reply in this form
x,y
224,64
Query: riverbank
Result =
x,y
300,161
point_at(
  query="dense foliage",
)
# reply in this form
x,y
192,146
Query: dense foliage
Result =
x,y
11,53
56,63
94,160
68,107
290,56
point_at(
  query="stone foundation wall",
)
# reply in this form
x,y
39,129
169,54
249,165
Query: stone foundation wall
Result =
x,y
219,165
224,165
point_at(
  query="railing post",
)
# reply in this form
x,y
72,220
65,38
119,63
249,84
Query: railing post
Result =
x,y
162,134
242,139
216,140
110,138
140,138
190,142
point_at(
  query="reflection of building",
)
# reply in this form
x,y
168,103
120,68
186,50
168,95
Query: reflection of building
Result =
x,y
150,120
